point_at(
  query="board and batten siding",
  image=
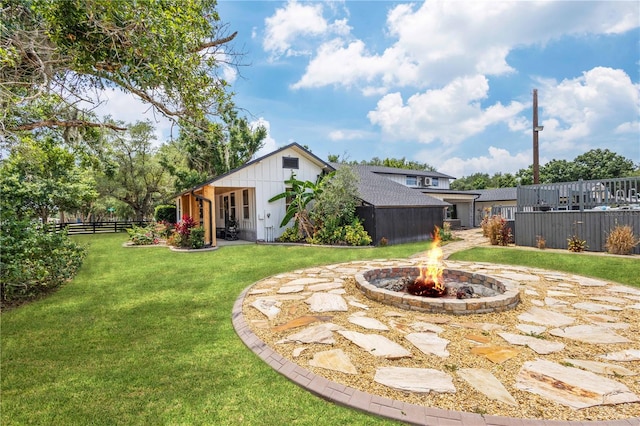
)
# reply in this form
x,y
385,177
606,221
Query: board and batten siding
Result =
x,y
557,226
266,178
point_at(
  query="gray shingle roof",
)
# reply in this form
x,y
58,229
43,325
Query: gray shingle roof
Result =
x,y
380,191
404,172
497,194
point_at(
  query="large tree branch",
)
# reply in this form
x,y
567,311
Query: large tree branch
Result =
x,y
216,42
63,123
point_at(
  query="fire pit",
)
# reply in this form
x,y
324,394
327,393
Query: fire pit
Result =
x,y
431,288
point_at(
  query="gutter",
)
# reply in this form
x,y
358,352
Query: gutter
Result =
x,y
201,198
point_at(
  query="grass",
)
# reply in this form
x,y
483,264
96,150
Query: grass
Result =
x,y
144,336
618,269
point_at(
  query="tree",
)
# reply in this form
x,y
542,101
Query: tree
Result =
x,y
54,54
399,163
474,181
602,164
135,175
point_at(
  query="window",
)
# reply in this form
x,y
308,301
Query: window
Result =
x,y
245,204
434,181
290,162
412,181
220,208
232,206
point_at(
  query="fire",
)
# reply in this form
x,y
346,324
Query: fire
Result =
x,y
431,282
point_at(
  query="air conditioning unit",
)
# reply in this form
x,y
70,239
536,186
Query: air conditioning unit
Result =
x,y
424,181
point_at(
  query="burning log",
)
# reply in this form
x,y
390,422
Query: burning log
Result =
x,y
464,292
430,282
426,288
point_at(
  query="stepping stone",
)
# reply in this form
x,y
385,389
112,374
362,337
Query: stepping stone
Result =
x,y
530,292
420,380
537,302
484,326
325,286
636,306
392,314
483,381
260,291
358,305
301,321
400,326
283,297
601,367
623,356
307,281
571,386
291,289
589,334
610,299
496,354
335,360
368,323
477,338
589,282
326,302
298,351
595,307
519,277
613,325
559,293
269,308
531,329
624,289
337,291
376,345
555,303
261,324
600,317
545,317
539,346
321,333
425,326
429,343
632,297
433,319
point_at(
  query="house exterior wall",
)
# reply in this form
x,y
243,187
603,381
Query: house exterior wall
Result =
x,y
443,183
265,179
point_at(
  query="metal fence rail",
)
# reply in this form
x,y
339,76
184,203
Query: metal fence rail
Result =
x,y
557,226
97,227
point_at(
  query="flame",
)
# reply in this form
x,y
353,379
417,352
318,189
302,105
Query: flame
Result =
x,y
433,270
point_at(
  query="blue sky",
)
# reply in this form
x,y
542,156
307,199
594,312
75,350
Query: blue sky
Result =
x,y
445,83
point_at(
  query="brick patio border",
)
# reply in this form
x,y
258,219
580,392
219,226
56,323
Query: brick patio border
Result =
x,y
377,405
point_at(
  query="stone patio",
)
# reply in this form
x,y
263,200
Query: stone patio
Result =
x,y
570,351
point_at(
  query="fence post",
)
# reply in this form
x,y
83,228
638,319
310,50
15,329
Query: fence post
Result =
x,y
581,192
115,226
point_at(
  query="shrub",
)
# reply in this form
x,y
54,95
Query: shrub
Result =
x,y
621,240
34,261
290,235
355,234
383,242
576,244
496,229
140,236
182,236
541,243
445,232
165,213
197,237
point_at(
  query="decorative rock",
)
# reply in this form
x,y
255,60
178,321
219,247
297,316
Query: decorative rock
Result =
x,y
298,351
540,346
611,299
589,282
497,354
301,321
429,343
326,302
595,307
571,386
545,317
321,333
625,355
601,367
368,323
483,381
421,380
335,360
560,293
359,305
324,286
291,289
589,334
269,308
376,345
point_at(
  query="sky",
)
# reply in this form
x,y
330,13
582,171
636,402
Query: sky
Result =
x,y
447,83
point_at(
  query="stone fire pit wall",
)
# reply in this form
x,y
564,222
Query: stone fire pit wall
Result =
x,y
508,297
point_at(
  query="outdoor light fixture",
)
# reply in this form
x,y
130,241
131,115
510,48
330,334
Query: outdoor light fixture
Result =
x,y
539,128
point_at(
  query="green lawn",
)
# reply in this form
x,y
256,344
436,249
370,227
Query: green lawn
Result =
x,y
144,336
625,270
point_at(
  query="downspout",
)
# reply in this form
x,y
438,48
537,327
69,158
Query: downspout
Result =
x,y
473,209
201,198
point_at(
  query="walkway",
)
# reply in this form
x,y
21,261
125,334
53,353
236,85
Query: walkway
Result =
x,y
549,307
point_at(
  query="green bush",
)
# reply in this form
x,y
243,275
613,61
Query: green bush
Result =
x,y
34,261
290,235
197,237
165,213
146,236
355,235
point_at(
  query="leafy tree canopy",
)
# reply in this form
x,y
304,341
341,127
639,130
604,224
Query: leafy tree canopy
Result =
x,y
56,54
399,163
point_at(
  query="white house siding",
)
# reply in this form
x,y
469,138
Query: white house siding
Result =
x,y
265,179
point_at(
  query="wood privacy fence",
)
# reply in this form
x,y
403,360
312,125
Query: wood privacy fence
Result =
x,y
97,227
557,226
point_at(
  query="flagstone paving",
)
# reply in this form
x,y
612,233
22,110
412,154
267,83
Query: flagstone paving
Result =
x,y
559,359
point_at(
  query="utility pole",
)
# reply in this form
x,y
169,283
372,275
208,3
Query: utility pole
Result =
x,y
536,129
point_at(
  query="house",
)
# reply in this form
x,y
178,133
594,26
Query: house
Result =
x,y
390,208
500,201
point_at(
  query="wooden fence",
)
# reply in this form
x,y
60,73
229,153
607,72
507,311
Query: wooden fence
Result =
x,y
557,226
97,227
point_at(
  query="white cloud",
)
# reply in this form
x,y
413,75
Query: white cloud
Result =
x,y
293,21
346,135
269,142
496,160
593,110
450,114
443,40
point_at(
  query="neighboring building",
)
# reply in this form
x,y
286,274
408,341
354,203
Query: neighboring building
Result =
x,y
501,201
